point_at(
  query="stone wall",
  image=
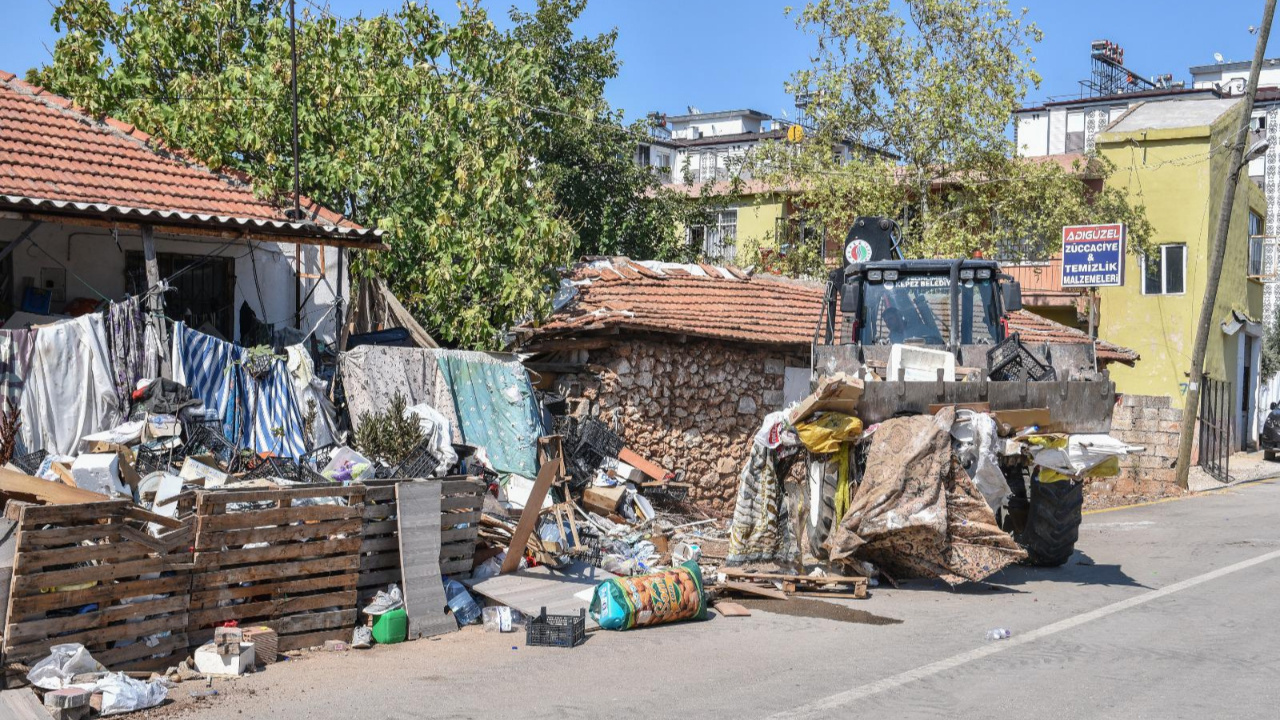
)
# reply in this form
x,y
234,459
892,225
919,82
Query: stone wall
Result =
x,y
691,406
1150,421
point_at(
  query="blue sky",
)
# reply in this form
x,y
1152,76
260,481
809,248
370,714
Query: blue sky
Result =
x,y
725,54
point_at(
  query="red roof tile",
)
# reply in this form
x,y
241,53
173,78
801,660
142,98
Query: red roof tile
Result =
x,y
724,303
55,156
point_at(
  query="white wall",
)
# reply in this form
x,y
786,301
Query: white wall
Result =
x,y
92,255
1033,133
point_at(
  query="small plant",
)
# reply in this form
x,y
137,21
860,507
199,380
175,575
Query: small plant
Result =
x,y
9,425
388,436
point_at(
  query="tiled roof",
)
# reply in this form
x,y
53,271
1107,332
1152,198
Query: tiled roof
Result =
x,y
56,158
725,303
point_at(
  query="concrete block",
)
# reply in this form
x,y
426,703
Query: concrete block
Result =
x,y
67,698
210,662
1171,415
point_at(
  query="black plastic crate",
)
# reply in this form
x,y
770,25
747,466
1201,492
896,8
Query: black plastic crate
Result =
x,y
596,436
30,462
149,461
1012,361
564,631
420,463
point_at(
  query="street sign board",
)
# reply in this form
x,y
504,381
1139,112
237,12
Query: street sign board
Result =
x,y
1093,255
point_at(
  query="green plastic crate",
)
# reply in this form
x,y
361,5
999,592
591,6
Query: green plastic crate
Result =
x,y
391,627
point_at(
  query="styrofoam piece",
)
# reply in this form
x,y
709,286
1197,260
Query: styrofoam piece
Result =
x,y
124,434
169,486
920,364
99,472
209,662
627,472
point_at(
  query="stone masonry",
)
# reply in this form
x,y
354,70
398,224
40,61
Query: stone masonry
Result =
x,y
691,406
1152,422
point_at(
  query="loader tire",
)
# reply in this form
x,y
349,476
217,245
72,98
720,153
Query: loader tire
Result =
x,y
1053,522
819,506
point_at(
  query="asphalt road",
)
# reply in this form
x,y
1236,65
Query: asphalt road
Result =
x,y
1166,611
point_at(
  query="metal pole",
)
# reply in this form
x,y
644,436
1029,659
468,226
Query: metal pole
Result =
x,y
1207,320
297,193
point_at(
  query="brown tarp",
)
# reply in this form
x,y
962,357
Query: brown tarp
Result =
x,y
917,513
374,308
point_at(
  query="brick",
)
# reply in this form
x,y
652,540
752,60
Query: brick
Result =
x,y
1171,415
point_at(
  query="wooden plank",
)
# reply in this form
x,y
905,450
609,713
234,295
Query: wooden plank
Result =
x,y
277,607
312,622
21,705
380,527
463,487
316,639
379,561
21,486
453,567
378,512
276,553
448,520
137,654
215,540
38,629
381,544
44,602
218,498
379,578
37,582
857,594
752,589
49,537
731,609
798,579
29,562
520,538
86,512
254,573
203,598
419,534
133,512
283,516
127,631
460,502
460,534
651,469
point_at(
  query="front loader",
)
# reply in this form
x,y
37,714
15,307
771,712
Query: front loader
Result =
x,y
894,322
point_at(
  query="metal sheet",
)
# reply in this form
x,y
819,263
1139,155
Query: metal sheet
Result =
x,y
1075,406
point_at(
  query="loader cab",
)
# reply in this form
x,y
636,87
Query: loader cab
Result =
x,y
937,303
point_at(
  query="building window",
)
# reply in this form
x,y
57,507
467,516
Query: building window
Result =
x,y
642,156
1075,132
1257,246
1165,273
718,237
663,164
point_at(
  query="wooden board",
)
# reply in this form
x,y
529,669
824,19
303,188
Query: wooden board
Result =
x,y
142,594
418,516
752,589
520,538
561,592
21,705
648,467
301,583
20,486
731,609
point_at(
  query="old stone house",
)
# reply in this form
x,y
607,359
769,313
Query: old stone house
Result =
x,y
688,359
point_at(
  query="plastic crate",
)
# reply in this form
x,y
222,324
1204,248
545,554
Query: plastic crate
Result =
x,y
149,461
564,631
421,463
1012,361
30,462
596,436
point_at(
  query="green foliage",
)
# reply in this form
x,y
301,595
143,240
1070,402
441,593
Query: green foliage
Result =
x,y
489,156
921,92
1271,349
389,435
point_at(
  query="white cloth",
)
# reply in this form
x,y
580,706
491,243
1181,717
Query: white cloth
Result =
x,y
70,392
436,427
310,391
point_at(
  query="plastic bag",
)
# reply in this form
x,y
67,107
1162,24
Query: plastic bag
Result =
x,y
823,435
976,448
498,619
669,596
122,694
64,662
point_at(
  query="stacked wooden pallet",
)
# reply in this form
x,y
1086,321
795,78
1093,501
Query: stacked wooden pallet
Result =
x,y
287,559
460,501
92,574
782,585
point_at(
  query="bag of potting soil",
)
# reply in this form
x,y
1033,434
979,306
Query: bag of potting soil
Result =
x,y
662,597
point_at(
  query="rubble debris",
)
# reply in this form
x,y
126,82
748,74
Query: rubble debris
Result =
x,y
225,660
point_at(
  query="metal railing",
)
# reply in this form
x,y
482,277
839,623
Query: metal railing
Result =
x,y
1215,429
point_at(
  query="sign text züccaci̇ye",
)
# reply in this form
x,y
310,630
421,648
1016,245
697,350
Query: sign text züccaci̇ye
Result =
x,y
1093,255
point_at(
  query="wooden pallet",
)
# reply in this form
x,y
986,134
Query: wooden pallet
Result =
x,y
72,557
803,585
302,583
460,501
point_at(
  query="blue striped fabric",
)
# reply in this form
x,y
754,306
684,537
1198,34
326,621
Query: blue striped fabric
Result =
x,y
258,414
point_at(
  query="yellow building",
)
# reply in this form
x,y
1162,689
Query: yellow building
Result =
x,y
1172,157
747,219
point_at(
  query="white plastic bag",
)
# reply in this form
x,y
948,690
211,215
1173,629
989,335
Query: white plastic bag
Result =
x,y
976,448
122,694
64,662
437,429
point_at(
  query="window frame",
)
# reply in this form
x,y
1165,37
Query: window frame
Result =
x,y
1164,278
719,225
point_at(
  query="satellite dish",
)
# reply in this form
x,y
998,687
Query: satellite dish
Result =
x,y
1217,57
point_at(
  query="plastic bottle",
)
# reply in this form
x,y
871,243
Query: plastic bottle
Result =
x,y
998,634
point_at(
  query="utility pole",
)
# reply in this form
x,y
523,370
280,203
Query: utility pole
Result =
x,y
1190,408
297,192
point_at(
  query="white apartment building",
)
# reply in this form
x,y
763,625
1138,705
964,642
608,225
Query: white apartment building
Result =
x,y
706,147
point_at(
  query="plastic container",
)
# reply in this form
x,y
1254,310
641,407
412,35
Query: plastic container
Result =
x,y
347,466
564,631
920,364
464,607
391,627
999,634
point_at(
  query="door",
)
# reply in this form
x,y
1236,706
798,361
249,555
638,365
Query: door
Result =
x,y
204,288
1248,391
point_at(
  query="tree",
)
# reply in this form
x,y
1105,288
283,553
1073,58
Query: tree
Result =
x,y
916,107
1271,350
466,143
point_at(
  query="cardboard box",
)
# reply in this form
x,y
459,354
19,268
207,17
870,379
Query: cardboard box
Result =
x,y
838,393
602,501
195,471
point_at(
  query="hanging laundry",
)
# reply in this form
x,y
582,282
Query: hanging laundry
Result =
x,y
203,363
70,391
373,375
310,391
496,408
15,362
126,327
262,412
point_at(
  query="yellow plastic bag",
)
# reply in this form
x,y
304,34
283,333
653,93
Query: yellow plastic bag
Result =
x,y
824,434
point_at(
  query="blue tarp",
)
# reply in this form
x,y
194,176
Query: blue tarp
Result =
x,y
496,408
